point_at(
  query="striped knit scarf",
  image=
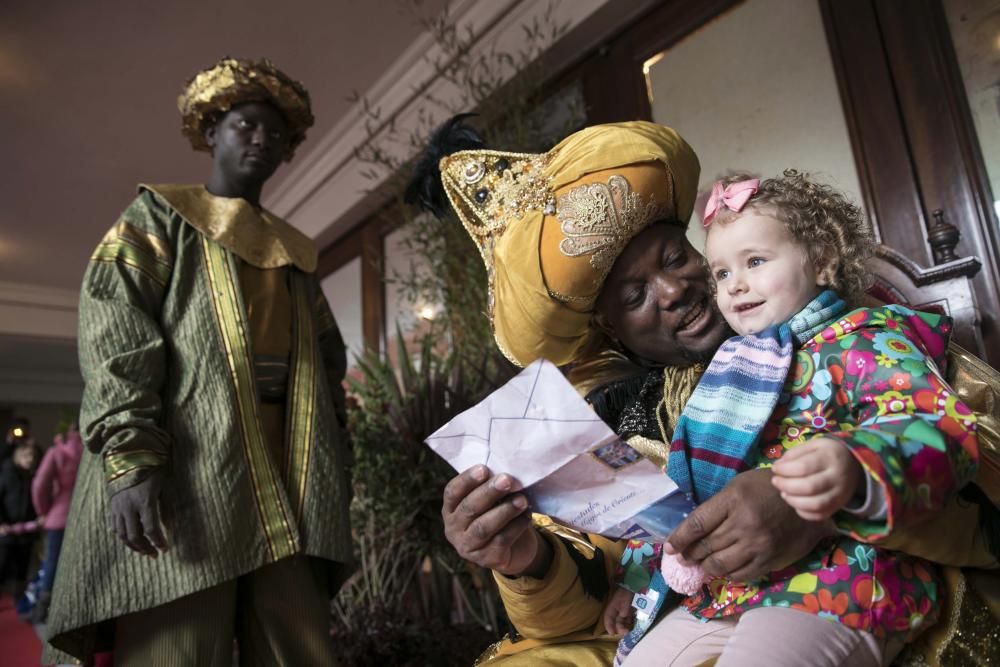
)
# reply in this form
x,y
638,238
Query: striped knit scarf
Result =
x,y
715,435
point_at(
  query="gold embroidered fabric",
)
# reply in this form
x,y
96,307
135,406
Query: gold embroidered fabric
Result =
x,y
678,385
490,188
599,219
968,632
257,237
154,246
545,270
487,189
654,450
978,385
128,245
232,82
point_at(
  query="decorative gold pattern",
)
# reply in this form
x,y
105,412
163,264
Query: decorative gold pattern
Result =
x,y
967,634
976,383
575,537
654,450
488,189
150,243
270,499
976,638
144,252
302,398
257,237
568,298
600,219
490,652
678,385
119,464
474,171
232,82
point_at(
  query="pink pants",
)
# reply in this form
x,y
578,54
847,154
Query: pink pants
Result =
x,y
772,636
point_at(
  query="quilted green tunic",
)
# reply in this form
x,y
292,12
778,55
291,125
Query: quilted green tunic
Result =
x,y
167,358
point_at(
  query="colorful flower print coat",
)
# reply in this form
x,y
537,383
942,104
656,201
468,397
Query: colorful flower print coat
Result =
x,y
870,379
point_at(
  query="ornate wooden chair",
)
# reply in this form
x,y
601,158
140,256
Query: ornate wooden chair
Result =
x,y
944,288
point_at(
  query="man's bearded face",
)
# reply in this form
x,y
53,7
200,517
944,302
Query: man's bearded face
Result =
x,y
657,302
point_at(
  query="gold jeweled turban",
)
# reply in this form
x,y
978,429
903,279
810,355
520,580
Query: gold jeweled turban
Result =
x,y
550,226
232,82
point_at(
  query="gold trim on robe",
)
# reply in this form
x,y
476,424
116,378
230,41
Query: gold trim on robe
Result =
x,y
302,397
124,244
278,524
257,237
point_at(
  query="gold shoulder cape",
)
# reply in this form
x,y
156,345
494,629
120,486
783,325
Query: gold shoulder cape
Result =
x,y
257,237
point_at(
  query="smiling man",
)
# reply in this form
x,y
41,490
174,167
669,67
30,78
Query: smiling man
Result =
x,y
588,266
657,300
211,503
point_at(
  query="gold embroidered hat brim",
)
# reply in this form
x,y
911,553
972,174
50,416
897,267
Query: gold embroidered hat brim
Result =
x,y
232,82
550,226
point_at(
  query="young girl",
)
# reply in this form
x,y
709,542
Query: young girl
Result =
x,y
849,410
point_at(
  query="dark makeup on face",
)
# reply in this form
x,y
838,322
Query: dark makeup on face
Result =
x,y
248,144
657,301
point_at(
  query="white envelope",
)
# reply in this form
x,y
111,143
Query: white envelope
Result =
x,y
534,424
572,466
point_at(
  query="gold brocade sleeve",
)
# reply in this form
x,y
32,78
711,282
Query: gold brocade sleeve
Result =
x,y
556,605
953,536
122,351
978,385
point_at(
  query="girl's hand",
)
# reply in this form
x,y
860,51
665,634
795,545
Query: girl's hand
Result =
x,y
619,615
818,478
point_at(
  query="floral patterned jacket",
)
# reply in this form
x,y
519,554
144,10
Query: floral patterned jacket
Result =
x,y
872,379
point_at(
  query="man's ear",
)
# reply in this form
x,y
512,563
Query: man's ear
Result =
x,y
209,135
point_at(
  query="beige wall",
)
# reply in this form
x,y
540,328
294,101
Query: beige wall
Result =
x,y
755,90
975,31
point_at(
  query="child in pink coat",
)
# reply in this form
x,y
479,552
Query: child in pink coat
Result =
x,y
51,493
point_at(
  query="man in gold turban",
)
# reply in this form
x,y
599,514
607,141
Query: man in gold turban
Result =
x,y
211,503
589,267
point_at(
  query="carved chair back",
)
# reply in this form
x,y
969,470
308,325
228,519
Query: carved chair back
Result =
x,y
945,288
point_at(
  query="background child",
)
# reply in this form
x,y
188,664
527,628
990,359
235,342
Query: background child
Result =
x,y
18,522
19,432
51,492
850,410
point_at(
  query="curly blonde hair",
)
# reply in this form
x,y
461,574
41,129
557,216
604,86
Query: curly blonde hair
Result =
x,y
822,220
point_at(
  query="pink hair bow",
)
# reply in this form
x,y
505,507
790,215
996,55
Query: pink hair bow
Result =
x,y
734,197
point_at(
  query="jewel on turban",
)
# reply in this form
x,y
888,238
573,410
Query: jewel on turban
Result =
x,y
550,226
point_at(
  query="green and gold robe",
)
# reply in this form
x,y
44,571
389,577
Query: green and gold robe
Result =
x,y
167,352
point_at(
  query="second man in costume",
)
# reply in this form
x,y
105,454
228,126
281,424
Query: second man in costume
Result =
x,y
213,412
